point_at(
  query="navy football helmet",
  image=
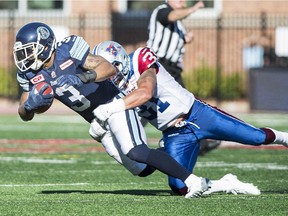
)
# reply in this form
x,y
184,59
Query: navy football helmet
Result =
x,y
35,43
117,56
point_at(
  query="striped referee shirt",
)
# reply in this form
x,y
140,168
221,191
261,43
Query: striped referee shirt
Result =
x,y
166,38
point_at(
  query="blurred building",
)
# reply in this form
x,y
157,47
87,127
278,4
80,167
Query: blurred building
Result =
x,y
231,37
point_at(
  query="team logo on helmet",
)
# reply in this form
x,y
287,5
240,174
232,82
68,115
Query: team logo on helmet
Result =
x,y
43,32
112,49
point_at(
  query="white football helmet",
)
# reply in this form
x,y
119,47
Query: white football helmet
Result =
x,y
117,56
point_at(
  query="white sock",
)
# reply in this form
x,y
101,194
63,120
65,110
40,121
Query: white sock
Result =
x,y
281,137
191,179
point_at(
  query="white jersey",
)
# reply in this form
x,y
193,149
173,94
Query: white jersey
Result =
x,y
169,101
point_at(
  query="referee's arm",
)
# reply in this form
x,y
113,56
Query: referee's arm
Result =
x,y
179,14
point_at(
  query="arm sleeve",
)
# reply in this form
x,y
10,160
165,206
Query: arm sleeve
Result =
x,y
79,49
146,59
23,82
162,15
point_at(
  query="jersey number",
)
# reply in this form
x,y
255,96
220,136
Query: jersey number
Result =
x,y
82,104
160,105
149,57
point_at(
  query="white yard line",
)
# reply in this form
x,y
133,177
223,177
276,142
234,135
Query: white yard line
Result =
x,y
250,166
38,160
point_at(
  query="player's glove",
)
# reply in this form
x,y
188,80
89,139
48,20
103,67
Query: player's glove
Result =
x,y
103,112
68,80
96,131
36,100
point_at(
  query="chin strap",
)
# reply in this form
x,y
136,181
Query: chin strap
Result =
x,y
37,65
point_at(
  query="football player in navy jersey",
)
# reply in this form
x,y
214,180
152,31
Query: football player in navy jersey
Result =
x,y
39,58
183,119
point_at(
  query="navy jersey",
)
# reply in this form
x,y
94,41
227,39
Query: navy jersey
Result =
x,y
70,55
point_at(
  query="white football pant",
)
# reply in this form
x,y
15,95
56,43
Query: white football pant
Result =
x,y
124,132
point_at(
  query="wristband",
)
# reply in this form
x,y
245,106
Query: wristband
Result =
x,y
88,76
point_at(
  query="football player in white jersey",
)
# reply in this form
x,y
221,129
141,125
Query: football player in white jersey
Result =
x,y
183,119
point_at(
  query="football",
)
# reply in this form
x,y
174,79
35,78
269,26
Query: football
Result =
x,y
49,90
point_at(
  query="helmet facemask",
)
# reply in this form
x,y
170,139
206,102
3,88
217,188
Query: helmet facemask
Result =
x,y
117,56
120,80
26,56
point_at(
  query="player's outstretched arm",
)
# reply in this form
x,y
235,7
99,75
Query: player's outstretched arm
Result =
x,y
179,14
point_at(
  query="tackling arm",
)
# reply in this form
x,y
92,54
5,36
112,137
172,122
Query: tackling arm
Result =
x,y
146,85
144,92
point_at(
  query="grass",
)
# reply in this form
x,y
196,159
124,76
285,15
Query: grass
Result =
x,y
72,180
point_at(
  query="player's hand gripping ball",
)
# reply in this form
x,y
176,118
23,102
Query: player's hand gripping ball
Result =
x,y
47,91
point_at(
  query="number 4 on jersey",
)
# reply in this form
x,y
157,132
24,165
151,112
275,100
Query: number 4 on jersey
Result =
x,y
162,106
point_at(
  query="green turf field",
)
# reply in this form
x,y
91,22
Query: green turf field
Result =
x,y
73,176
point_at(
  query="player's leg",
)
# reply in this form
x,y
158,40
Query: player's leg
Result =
x,y
210,122
130,134
113,149
183,147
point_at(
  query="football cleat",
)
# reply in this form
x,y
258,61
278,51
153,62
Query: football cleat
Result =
x,y
198,188
231,185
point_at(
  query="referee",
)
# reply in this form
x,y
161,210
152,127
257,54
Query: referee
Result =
x,y
167,35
